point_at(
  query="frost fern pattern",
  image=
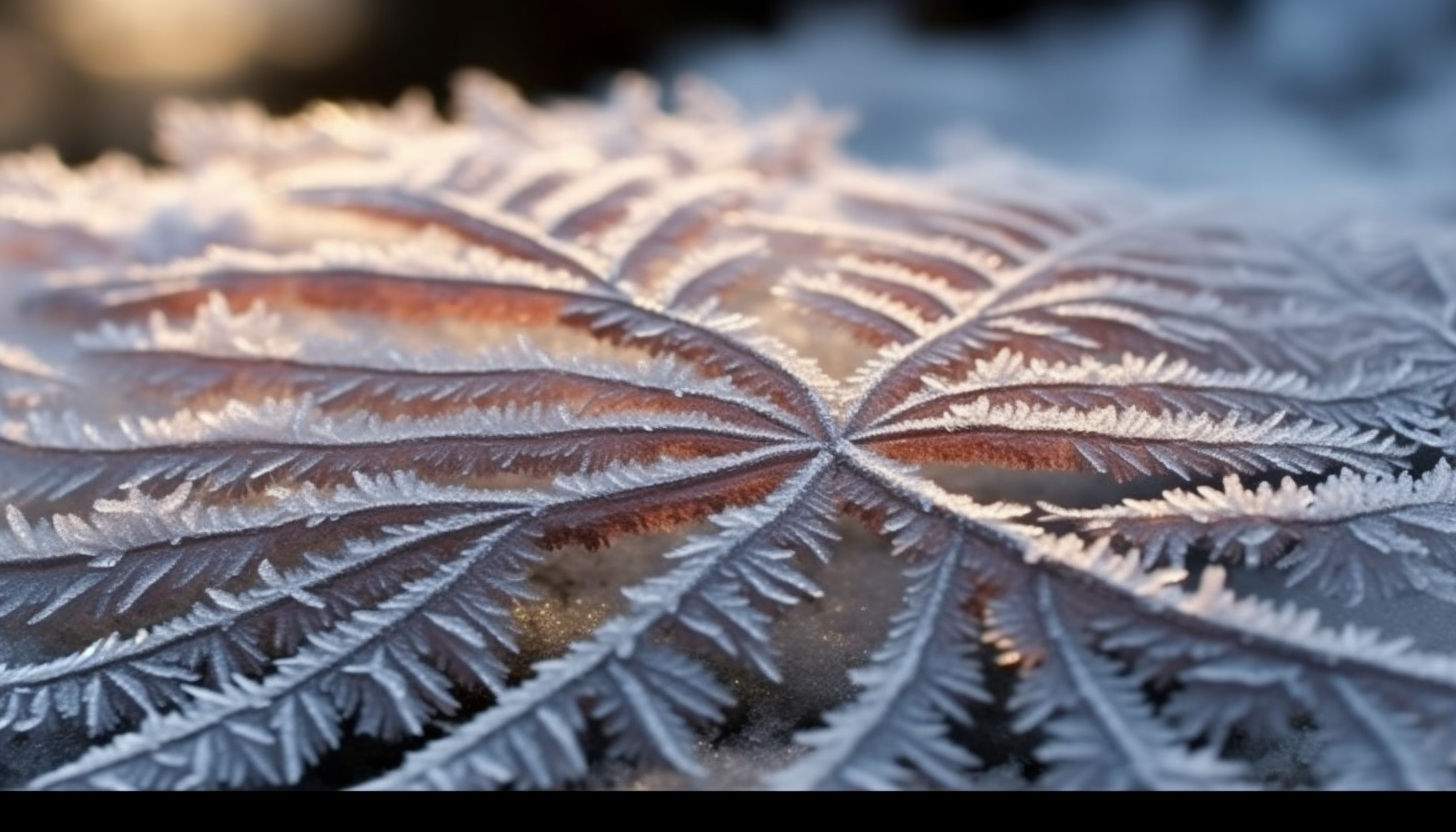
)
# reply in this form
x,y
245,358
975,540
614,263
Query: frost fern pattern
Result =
x,y
289,431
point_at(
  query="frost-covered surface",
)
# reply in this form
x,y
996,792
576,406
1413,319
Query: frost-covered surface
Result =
x,y
605,444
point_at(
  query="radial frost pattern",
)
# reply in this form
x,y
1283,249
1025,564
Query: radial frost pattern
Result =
x,y
295,434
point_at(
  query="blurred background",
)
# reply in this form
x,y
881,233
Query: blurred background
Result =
x,y
1277,94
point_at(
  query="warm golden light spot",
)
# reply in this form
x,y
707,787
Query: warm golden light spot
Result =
x,y
174,42
164,41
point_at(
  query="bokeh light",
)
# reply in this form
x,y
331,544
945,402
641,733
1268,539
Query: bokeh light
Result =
x,y
186,42
162,41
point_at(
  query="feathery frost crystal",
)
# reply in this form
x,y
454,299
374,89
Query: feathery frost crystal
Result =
x,y
608,444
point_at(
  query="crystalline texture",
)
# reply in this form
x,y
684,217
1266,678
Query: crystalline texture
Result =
x,y
280,462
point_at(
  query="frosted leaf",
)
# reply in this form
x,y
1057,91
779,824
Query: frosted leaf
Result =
x,y
600,443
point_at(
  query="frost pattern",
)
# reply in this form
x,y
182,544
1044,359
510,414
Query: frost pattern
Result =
x,y
281,464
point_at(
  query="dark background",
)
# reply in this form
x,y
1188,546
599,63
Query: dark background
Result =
x,y
1316,98
547,47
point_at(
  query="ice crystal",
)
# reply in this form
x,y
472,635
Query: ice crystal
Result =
x,y
296,435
